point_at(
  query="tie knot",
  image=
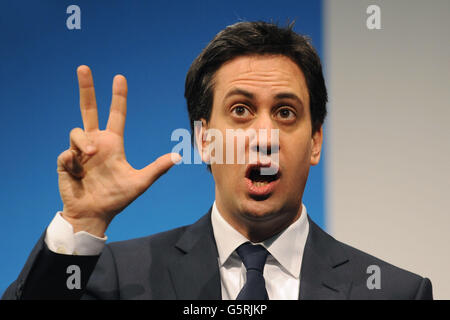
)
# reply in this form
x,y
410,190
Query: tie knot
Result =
x,y
253,256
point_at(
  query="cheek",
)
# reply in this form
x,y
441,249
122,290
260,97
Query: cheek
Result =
x,y
295,159
225,174
296,147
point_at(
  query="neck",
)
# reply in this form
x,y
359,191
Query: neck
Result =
x,y
258,229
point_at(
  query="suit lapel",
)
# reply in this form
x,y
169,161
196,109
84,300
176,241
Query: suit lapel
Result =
x,y
324,273
195,274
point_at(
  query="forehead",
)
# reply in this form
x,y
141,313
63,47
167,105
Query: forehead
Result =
x,y
266,74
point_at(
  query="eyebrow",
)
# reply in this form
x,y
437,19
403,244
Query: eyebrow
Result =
x,y
249,95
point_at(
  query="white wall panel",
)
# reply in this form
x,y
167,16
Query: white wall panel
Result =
x,y
388,133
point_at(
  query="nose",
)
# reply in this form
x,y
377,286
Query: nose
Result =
x,y
267,136
264,121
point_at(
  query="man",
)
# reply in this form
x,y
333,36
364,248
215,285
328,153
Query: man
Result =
x,y
256,241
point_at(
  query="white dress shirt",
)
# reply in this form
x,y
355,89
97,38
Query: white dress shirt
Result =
x,y
283,264
60,238
281,272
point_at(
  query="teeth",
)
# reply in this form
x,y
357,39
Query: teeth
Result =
x,y
260,183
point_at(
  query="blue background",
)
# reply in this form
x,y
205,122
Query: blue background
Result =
x,y
153,44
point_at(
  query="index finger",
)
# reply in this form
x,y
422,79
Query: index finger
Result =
x,y
88,104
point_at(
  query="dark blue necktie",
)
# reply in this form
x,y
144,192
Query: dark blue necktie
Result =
x,y
254,258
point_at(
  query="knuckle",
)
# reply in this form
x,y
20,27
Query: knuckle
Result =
x,y
61,156
62,160
75,132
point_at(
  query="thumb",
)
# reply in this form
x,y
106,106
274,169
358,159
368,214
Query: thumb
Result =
x,y
157,168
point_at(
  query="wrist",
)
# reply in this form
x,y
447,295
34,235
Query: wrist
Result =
x,y
93,225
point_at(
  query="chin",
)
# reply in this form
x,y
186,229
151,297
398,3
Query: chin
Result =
x,y
260,209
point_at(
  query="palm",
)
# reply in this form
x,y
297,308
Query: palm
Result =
x,y
102,183
105,185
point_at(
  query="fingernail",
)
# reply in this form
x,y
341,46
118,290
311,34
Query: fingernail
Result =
x,y
176,157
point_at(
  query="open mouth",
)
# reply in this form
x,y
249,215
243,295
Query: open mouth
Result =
x,y
256,175
259,182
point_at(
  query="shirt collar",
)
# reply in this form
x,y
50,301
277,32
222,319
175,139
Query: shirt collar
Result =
x,y
286,247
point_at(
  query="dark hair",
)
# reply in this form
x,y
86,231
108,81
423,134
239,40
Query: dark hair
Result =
x,y
249,38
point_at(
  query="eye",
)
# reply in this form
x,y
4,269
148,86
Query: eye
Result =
x,y
286,114
240,111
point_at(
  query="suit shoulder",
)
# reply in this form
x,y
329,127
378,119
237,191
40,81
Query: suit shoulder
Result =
x,y
364,258
395,282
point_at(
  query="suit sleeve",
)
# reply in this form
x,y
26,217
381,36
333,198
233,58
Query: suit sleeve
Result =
x,y
425,290
48,275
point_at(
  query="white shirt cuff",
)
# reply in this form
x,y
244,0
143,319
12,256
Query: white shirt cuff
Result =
x,y
60,238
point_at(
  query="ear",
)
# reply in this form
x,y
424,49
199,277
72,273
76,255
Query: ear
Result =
x,y
316,146
201,141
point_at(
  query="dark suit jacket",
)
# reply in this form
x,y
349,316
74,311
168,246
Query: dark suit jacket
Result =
x,y
182,264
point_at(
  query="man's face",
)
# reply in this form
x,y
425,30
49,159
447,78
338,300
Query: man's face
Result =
x,y
263,92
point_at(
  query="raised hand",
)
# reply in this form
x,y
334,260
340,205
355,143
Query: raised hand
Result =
x,y
95,180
